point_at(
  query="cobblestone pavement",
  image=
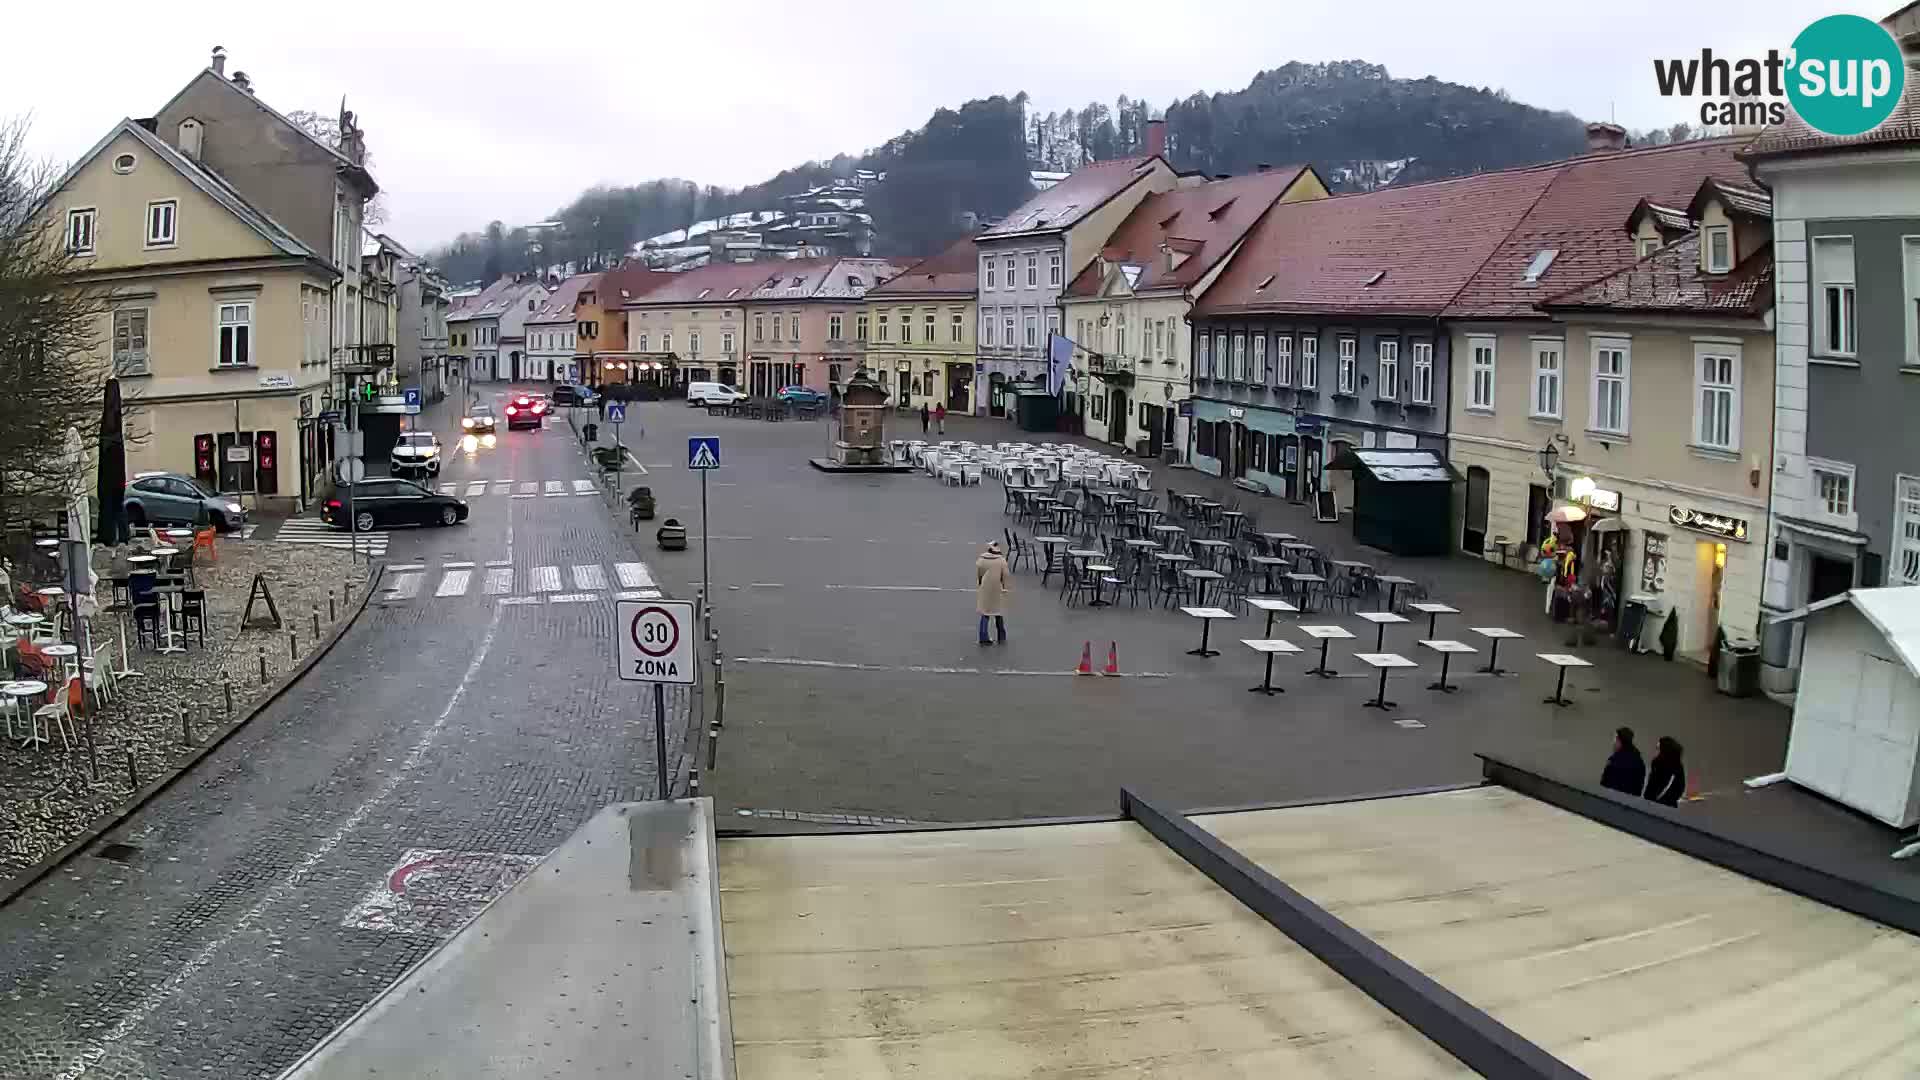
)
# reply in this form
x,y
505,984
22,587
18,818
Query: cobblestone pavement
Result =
x,y
49,795
328,845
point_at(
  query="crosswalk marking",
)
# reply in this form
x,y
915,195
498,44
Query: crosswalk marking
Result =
x,y
638,594
477,487
405,586
448,489
633,575
528,487
573,598
583,487
316,533
546,579
499,581
554,488
588,576
453,583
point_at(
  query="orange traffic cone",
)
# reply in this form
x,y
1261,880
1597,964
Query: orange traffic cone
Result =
x,y
1086,660
1113,659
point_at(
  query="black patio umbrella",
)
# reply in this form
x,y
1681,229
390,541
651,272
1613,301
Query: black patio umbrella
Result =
x,y
111,527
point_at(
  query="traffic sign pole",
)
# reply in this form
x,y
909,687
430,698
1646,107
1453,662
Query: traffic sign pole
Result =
x,y
660,740
706,564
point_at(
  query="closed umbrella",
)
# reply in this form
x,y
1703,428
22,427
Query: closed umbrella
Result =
x,y
110,492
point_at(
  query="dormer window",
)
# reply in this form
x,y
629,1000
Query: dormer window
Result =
x,y
1541,261
1718,248
1264,282
1646,246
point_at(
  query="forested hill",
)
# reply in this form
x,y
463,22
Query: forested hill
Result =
x,y
1350,119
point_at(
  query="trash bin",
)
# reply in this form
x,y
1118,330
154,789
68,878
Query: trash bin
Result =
x,y
1777,674
591,431
671,536
1739,674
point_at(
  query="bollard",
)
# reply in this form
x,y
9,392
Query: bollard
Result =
x,y
293,648
261,651
226,683
93,758
331,614
133,774
186,727
713,744
693,783
316,620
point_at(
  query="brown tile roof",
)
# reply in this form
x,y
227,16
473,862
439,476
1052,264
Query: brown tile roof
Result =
x,y
1665,218
955,270
1066,202
1417,244
1204,221
1739,201
1670,281
628,283
559,306
821,279
487,304
1794,136
715,283
1579,215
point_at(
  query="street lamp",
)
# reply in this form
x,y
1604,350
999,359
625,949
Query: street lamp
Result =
x,y
1549,457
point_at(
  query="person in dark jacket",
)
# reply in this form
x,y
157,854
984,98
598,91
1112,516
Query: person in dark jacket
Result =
x,y
926,418
1666,776
1626,770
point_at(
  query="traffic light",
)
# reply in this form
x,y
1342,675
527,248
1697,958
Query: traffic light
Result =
x,y
203,467
266,479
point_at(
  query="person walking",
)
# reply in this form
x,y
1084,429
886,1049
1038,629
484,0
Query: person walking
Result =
x,y
926,418
1667,775
1626,770
940,417
992,582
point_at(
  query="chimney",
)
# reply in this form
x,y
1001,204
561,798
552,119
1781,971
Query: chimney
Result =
x,y
240,80
1605,138
219,61
1157,138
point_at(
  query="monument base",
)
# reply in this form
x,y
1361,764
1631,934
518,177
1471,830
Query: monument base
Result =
x,y
832,466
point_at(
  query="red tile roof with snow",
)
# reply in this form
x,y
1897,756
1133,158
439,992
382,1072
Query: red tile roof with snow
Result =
x,y
1670,281
1066,202
1794,136
1205,221
1424,241
715,283
955,270
559,306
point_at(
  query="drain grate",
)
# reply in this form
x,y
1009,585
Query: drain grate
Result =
x,y
117,852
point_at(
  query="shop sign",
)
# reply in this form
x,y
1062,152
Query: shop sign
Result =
x,y
1186,407
1306,425
1602,499
1653,565
1727,528
1236,413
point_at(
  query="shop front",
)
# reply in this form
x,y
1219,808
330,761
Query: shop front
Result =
x,y
959,376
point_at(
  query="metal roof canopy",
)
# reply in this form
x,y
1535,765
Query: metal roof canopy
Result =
x,y
1398,466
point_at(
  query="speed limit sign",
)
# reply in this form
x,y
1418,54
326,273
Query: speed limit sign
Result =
x,y
654,641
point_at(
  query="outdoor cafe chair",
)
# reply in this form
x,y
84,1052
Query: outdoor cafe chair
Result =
x,y
1172,586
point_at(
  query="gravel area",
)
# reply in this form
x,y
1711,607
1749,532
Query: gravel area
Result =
x,y
48,795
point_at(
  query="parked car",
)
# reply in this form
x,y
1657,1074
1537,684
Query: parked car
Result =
x,y
713,393
802,395
416,452
479,419
526,411
574,394
383,502
161,498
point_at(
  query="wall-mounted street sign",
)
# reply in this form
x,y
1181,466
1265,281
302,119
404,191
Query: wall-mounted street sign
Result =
x,y
654,641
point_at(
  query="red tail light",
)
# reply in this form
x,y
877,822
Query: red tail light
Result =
x,y
333,504
539,408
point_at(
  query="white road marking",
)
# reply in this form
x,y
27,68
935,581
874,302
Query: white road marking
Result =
x,y
525,496
477,487
457,566
589,576
583,487
929,669
554,488
448,489
528,487
546,579
767,585
638,594
406,566
895,588
518,600
499,581
810,539
454,583
573,598
288,885
404,587
633,575
499,562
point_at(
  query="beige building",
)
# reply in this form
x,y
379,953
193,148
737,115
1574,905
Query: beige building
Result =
x,y
1652,388
218,317
918,330
692,321
803,322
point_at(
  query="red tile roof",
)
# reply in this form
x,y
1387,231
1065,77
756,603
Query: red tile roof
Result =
x,y
559,306
821,279
1670,281
1737,201
955,270
1422,242
627,284
1204,221
1902,126
1579,215
1066,202
715,283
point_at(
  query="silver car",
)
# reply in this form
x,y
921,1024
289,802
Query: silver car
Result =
x,y
417,452
160,498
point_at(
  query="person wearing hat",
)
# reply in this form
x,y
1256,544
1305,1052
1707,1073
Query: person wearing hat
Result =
x,y
992,582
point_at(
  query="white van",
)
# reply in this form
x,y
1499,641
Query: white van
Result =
x,y
712,393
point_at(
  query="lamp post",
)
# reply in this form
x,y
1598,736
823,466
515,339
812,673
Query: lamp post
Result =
x,y
1549,458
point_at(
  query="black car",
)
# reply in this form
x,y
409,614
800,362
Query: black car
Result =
x,y
382,503
574,394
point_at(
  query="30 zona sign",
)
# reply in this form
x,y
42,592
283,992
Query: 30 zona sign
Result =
x,y
653,641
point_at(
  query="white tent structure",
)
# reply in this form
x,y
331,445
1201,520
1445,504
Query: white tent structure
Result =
x,y
1856,722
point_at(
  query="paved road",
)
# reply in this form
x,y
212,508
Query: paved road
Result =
x,y
449,739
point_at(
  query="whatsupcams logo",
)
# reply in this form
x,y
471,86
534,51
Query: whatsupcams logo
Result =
x,y
1843,76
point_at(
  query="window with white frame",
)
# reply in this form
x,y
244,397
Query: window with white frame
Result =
x,y
1283,360
160,222
1480,361
1716,396
1053,268
1310,363
1344,378
836,325
1830,491
1053,323
986,328
928,322
1160,337
860,327
236,334
1240,357
1423,373
992,274
957,327
726,343
759,328
666,340
1033,270
906,326
1646,246
1033,330
1911,265
1612,376
1006,269
130,341
80,231
1006,327
1833,296
1260,358
883,329
1719,241
1389,376
793,327
693,343
1120,337
1222,359
1906,529
1203,359
1549,365
773,326
640,342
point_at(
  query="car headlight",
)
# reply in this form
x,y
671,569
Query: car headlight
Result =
x,y
233,508
467,422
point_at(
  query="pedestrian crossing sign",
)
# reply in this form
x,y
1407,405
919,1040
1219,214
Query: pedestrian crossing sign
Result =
x,y
616,413
703,452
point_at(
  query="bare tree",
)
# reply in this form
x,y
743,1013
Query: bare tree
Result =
x,y
51,376
327,130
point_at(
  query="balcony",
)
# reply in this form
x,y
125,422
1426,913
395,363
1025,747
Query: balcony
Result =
x,y
365,359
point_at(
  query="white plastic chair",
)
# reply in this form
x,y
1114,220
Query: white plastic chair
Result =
x,y
59,715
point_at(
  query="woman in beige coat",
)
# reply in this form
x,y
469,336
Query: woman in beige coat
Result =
x,y
992,582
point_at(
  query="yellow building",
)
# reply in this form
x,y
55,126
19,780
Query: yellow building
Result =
x,y
918,330
217,319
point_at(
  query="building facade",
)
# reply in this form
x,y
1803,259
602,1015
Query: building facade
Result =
x,y
803,321
693,322
553,332
917,327
421,350
490,330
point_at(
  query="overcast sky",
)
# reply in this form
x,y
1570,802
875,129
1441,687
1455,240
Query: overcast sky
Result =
x,y
476,111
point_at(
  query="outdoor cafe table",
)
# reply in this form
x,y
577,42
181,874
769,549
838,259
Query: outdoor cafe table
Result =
x,y
1167,533
1380,619
1213,548
1278,537
1047,543
1267,564
172,593
1447,650
1301,582
1099,572
1200,578
1270,646
1232,520
62,652
1562,661
1393,583
1206,615
1349,565
1433,611
1324,634
25,690
1272,607
1495,634
1383,662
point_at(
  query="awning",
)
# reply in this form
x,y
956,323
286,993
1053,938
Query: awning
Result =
x,y
1398,466
1835,535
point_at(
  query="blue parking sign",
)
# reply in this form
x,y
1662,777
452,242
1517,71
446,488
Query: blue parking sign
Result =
x,y
616,413
411,395
703,452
